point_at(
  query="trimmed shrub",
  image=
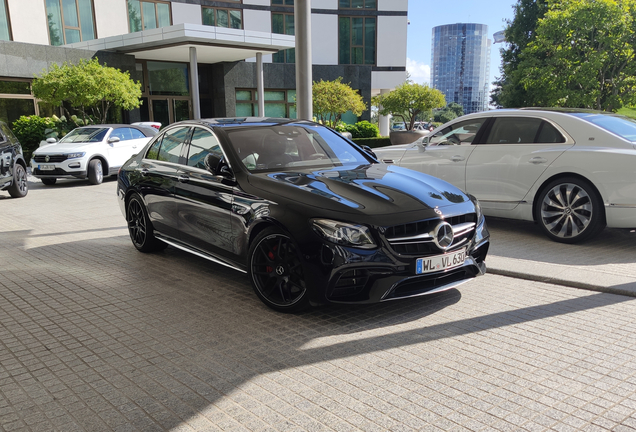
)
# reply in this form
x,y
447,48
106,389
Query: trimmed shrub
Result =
x,y
30,130
365,129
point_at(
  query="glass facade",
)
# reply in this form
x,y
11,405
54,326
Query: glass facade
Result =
x,y
231,18
460,62
356,40
70,21
143,15
284,24
278,103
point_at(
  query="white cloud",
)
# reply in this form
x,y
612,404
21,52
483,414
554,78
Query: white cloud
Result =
x,y
420,72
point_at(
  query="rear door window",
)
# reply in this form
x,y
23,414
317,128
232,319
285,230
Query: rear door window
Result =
x,y
169,146
523,130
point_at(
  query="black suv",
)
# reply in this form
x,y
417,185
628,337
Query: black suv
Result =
x,y
13,176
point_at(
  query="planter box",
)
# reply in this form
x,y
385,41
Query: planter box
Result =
x,y
406,137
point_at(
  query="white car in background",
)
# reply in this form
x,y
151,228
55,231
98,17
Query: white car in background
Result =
x,y
572,171
89,152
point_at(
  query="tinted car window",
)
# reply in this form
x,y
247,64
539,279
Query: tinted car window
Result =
x,y
458,133
153,151
126,134
549,134
514,130
622,126
172,144
202,143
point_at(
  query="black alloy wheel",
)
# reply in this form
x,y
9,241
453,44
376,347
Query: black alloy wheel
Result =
x,y
276,272
570,210
20,187
140,227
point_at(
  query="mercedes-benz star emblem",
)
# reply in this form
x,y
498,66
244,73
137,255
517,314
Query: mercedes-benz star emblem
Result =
x,y
47,158
444,235
280,270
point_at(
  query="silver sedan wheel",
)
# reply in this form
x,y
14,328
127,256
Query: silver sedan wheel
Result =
x,y
566,210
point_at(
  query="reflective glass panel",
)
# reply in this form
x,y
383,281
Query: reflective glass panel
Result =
x,y
86,19
275,110
344,44
278,23
202,143
222,19
15,87
150,18
274,95
369,41
163,14
172,144
70,13
5,34
244,110
235,19
169,79
181,109
54,16
72,36
208,16
134,16
12,109
243,95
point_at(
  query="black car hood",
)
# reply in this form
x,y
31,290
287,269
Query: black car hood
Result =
x,y
377,189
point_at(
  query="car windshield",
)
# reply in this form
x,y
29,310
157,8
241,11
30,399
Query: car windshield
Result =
x,y
624,127
85,135
264,148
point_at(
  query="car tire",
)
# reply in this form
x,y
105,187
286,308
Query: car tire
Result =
x,y
570,210
49,181
140,227
20,187
95,172
275,270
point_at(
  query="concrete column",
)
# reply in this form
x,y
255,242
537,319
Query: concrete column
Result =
x,y
304,79
260,85
194,84
383,121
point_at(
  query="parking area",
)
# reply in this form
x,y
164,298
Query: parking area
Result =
x,y
95,336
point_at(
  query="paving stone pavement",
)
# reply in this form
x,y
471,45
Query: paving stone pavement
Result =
x,y
95,336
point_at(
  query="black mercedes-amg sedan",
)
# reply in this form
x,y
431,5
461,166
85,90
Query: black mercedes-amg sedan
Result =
x,y
311,217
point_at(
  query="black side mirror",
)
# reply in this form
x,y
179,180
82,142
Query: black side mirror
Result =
x,y
367,149
216,165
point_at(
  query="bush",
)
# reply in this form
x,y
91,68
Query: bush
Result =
x,y
362,129
373,142
30,130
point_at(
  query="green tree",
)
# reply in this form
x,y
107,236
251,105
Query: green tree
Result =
x,y
583,55
87,87
331,99
508,91
408,100
448,113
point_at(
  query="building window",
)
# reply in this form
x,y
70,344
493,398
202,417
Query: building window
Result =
x,y
357,4
356,40
284,24
70,21
143,15
5,23
283,3
228,18
278,103
17,100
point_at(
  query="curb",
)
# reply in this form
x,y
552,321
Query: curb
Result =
x,y
561,282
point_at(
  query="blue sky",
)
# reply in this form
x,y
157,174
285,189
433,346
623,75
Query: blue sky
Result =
x,y
426,14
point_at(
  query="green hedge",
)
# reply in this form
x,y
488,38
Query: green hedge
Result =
x,y
373,142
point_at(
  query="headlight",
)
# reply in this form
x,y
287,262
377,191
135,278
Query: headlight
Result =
x,y
477,207
344,234
75,155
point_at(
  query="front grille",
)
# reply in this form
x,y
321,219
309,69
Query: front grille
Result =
x,y
350,283
52,158
417,238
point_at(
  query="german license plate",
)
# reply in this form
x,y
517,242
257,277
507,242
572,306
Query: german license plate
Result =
x,y
440,262
46,167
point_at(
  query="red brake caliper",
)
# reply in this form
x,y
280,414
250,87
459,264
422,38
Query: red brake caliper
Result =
x,y
270,255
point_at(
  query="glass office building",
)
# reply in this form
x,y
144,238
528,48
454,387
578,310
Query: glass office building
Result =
x,y
461,64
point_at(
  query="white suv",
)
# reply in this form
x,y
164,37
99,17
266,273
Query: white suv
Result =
x,y
89,152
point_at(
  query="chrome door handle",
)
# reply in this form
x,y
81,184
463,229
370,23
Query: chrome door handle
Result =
x,y
537,160
183,178
457,158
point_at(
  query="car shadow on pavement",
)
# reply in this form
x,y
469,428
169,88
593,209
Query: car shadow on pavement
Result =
x,y
107,337
525,240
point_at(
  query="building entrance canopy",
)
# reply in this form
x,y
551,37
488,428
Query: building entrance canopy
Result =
x,y
213,44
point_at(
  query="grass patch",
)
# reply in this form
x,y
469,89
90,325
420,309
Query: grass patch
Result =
x,y
627,112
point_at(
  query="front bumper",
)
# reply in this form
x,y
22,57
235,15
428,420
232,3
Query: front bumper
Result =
x,y
344,275
70,168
